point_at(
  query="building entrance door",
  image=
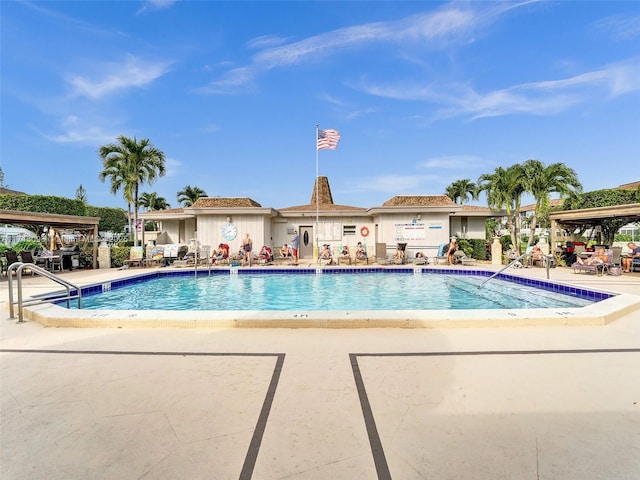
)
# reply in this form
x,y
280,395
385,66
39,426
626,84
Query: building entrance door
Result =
x,y
306,242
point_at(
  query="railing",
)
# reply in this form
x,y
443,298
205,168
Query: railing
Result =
x,y
547,262
19,267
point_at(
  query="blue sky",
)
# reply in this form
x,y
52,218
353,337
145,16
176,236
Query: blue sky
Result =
x,y
423,94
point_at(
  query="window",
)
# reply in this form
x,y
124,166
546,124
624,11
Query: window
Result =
x,y
348,230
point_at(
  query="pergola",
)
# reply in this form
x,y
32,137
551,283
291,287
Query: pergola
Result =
x,y
88,224
593,216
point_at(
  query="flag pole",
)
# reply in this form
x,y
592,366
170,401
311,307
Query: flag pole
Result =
x,y
317,246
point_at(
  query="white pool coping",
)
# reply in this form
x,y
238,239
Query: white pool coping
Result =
x,y
599,313
596,314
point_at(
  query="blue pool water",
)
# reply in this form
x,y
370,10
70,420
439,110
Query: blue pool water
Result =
x,y
370,291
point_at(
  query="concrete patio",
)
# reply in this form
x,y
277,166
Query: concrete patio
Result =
x,y
451,403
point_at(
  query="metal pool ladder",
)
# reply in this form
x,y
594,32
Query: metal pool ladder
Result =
x,y
547,263
19,267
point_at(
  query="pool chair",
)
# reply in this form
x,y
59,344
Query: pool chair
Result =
x,y
221,255
345,255
441,257
326,255
597,268
136,256
156,257
264,256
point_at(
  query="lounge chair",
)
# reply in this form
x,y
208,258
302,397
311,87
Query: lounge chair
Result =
x,y
597,268
344,258
136,256
326,257
221,256
441,257
264,257
363,256
283,258
156,258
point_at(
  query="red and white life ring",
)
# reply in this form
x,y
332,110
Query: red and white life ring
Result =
x,y
364,231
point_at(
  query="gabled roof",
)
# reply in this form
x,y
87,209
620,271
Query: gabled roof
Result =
x,y
420,201
225,202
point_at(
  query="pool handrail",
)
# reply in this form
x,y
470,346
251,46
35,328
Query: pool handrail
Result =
x,y
547,259
19,267
517,259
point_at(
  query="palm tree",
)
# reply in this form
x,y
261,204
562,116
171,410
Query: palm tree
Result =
x,y
151,201
541,180
504,189
116,172
138,162
188,195
461,190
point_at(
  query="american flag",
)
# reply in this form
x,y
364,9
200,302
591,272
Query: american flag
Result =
x,y
328,139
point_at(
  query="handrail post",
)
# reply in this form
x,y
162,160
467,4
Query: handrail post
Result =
x,y
18,267
504,268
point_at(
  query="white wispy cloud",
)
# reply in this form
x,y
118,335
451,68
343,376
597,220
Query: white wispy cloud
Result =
x,y
266,41
151,5
115,76
453,22
537,98
621,27
73,129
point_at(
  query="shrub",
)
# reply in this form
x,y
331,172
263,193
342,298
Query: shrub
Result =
x,y
27,246
479,247
119,255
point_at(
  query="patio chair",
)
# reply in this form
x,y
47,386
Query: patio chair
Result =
x,y
264,256
27,257
136,256
441,257
345,255
156,258
362,255
326,255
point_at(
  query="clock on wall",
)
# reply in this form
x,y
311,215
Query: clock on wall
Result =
x,y
229,231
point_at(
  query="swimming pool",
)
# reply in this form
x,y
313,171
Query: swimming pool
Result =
x,y
377,291
605,307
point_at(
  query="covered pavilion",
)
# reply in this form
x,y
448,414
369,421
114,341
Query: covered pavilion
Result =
x,y
86,224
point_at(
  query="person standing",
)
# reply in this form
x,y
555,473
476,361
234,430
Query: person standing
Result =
x,y
295,244
247,246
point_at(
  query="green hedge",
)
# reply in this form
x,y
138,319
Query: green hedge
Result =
x,y
43,204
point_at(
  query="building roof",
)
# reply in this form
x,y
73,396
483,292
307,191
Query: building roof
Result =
x,y
12,192
630,186
225,202
324,201
556,202
420,201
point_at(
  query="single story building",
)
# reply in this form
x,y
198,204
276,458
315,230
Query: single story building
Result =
x,y
422,222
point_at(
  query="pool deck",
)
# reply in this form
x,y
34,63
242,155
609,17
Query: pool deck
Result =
x,y
526,402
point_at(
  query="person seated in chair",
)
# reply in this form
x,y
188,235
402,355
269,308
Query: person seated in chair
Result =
x,y
536,255
399,254
345,252
325,254
627,262
285,251
221,253
361,252
598,258
264,254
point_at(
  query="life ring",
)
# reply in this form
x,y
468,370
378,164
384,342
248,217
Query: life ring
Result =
x,y
364,231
